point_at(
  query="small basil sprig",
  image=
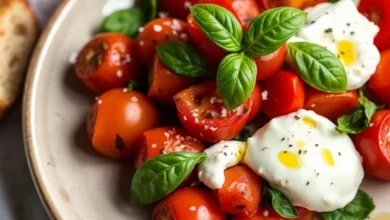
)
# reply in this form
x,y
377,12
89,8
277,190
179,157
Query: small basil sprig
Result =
x,y
358,118
280,203
183,58
219,25
126,21
318,67
149,8
161,175
360,208
244,134
271,29
236,78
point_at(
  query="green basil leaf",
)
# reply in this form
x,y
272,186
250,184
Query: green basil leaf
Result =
x,y
318,67
219,24
149,8
125,21
281,204
183,58
161,175
271,29
244,134
360,208
236,78
358,118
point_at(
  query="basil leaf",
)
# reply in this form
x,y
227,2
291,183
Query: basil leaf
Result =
x,y
281,204
358,118
318,67
219,24
360,208
271,29
236,78
244,134
161,175
183,58
125,21
149,8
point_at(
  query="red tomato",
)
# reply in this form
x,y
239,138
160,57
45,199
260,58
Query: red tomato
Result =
x,y
117,121
330,105
164,83
203,114
108,61
379,82
378,11
270,64
177,8
291,3
188,204
256,99
374,145
241,193
156,32
165,140
285,93
267,213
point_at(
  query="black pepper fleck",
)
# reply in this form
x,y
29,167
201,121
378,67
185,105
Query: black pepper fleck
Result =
x,y
241,206
342,52
297,117
339,154
300,151
353,32
225,154
307,183
312,22
329,30
316,145
290,145
283,139
348,24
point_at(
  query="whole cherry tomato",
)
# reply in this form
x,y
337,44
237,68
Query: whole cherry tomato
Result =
x,y
164,83
291,3
203,114
177,8
374,145
330,105
268,213
256,99
283,93
156,32
117,121
378,11
241,193
379,82
270,64
189,204
108,61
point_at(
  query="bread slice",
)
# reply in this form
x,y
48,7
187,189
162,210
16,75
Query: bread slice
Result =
x,y
19,30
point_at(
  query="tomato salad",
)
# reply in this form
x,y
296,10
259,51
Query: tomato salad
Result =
x,y
244,109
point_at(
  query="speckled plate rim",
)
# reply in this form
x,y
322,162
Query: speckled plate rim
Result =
x,y
27,112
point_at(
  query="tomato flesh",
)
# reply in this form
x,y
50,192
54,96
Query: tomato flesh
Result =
x,y
268,213
256,102
177,8
291,3
379,82
270,64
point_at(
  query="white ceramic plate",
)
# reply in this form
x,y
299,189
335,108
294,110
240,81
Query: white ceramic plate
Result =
x,y
75,182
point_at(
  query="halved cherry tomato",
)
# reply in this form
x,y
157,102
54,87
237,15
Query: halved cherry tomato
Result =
x,y
379,82
241,193
256,99
270,64
330,105
203,114
374,145
117,121
291,3
268,213
156,32
177,8
378,11
189,204
164,83
108,61
284,93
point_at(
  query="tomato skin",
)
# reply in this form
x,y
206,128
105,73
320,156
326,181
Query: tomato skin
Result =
x,y
114,114
379,82
256,99
156,32
330,105
241,193
177,8
378,11
374,146
268,4
107,61
209,120
189,204
286,94
268,213
164,83
270,64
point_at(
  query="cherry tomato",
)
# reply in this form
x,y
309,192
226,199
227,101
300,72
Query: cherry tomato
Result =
x,y
156,32
177,8
108,61
379,82
378,11
268,213
165,140
374,145
241,193
270,64
117,121
291,3
164,83
284,93
256,98
189,204
203,114
330,105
